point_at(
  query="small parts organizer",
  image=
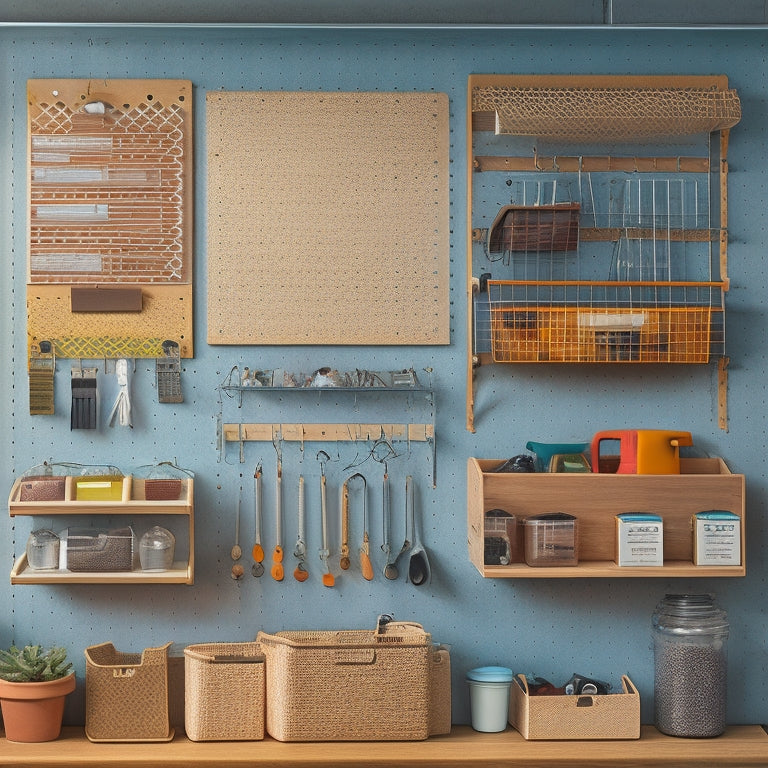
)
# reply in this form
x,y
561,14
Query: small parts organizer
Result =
x,y
104,496
610,256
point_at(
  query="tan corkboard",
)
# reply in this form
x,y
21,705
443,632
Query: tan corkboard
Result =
x,y
110,206
328,218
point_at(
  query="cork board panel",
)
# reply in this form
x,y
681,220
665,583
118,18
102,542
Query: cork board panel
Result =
x,y
110,204
166,314
328,218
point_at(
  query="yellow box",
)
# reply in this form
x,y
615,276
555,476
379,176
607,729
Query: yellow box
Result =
x,y
102,488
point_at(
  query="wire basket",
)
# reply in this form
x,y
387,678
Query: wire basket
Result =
x,y
559,322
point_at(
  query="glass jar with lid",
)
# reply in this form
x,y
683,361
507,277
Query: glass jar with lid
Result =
x,y
690,634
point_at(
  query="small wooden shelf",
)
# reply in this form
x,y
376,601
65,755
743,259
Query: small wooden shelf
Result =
x,y
595,499
133,502
179,573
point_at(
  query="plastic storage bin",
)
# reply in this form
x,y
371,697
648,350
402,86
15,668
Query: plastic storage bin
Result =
x,y
90,549
224,692
127,694
551,539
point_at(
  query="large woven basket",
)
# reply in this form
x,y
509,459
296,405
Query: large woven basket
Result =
x,y
127,694
224,690
355,685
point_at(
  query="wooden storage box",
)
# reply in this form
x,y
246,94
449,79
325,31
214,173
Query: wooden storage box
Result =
x,y
224,692
595,499
582,717
357,685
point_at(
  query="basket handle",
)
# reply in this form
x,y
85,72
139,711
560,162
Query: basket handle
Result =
x,y
350,656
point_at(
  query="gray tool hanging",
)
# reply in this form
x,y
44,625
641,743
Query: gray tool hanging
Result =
x,y
168,374
84,409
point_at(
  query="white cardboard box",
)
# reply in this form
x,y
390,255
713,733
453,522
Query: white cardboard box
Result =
x,y
716,538
639,539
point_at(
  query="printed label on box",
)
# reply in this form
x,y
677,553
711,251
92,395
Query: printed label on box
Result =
x,y
639,539
717,538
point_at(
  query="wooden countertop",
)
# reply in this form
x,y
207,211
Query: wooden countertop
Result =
x,y
744,745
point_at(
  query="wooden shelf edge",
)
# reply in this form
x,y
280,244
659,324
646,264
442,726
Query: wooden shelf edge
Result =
x,y
609,569
740,745
180,573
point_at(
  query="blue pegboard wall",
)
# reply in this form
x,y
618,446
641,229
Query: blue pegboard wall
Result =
x,y
598,627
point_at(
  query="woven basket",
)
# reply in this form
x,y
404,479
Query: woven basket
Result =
x,y
127,694
224,692
600,716
355,685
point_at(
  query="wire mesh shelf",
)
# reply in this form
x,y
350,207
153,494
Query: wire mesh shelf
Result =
x,y
601,322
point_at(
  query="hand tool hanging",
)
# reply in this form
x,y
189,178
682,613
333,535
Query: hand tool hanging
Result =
x,y
365,548
257,569
84,412
344,561
121,410
300,573
236,552
277,554
325,554
41,368
419,571
390,570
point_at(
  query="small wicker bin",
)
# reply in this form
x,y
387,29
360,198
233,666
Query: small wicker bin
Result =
x,y
224,692
388,684
127,694
584,717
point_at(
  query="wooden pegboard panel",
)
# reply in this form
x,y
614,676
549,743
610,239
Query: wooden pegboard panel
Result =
x,y
110,203
328,218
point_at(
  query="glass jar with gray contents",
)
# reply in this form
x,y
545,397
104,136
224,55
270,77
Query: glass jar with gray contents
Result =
x,y
690,634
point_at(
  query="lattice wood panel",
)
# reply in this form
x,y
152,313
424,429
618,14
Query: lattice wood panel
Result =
x,y
110,203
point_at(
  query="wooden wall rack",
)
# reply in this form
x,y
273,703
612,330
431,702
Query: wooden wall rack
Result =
x,y
554,112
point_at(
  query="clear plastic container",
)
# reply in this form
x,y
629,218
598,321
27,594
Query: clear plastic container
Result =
x,y
156,549
551,539
500,538
690,634
43,548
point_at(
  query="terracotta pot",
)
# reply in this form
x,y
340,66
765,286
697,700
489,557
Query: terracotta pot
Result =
x,y
34,711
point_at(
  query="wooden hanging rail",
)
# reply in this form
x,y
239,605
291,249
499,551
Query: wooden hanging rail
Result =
x,y
594,164
238,433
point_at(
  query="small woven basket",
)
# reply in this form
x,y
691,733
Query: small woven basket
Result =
x,y
126,694
355,685
224,692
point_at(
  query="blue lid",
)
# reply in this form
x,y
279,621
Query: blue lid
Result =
x,y
491,675
636,517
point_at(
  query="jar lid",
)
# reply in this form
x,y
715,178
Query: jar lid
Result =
x,y
491,675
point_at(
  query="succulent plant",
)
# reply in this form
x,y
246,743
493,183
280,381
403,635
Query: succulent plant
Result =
x,y
33,664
